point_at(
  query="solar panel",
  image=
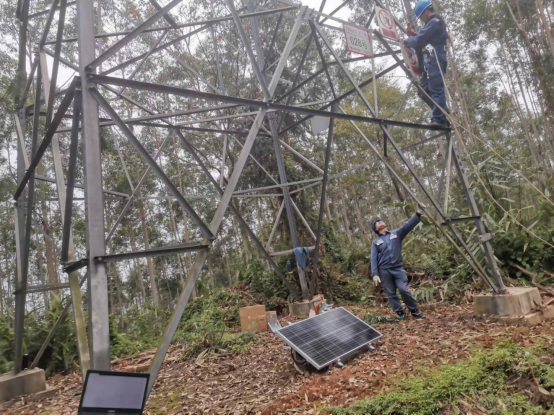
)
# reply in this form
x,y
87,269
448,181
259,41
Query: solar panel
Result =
x,y
325,338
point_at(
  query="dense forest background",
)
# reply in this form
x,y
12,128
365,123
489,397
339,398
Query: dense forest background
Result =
x,y
501,90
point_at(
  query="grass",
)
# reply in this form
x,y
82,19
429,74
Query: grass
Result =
x,y
483,383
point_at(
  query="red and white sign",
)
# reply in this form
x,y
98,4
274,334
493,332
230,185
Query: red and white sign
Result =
x,y
411,61
386,23
358,39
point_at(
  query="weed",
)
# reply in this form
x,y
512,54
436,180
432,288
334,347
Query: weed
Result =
x,y
210,323
483,378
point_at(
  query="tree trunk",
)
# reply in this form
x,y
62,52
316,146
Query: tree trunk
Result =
x,y
399,190
182,273
260,223
210,272
2,278
8,272
522,118
328,211
225,256
166,282
336,217
546,27
536,63
244,234
246,247
119,289
153,286
529,115
185,219
137,267
361,223
110,287
345,215
41,269
262,231
50,256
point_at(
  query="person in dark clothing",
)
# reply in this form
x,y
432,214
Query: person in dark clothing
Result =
x,y
434,33
386,265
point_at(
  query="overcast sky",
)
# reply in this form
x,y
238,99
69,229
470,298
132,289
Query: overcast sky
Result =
x,y
330,5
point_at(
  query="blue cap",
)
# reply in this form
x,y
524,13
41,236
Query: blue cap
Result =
x,y
373,225
421,6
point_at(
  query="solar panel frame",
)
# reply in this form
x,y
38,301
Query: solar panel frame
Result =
x,y
293,345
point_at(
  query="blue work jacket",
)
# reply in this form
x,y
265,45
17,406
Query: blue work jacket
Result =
x,y
433,33
386,250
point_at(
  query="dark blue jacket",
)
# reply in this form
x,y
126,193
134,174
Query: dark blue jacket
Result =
x,y
302,256
433,33
386,250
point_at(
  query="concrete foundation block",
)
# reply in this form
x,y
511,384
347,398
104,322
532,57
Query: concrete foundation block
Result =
x,y
26,382
300,309
517,301
36,397
531,319
42,395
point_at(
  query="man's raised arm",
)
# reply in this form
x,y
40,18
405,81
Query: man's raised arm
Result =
x,y
425,34
403,231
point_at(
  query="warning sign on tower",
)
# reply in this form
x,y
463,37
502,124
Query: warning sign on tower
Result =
x,y
386,23
411,61
358,39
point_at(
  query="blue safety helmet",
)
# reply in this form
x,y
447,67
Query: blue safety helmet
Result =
x,y
421,6
374,223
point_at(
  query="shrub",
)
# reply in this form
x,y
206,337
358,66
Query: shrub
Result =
x,y
6,346
211,323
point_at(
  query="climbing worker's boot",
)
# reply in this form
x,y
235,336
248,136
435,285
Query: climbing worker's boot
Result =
x,y
401,316
436,123
417,314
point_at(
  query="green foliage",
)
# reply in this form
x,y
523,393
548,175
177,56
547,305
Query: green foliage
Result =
x,y
61,353
138,337
333,246
6,346
425,294
263,283
514,246
484,377
237,341
208,323
377,319
344,275
348,287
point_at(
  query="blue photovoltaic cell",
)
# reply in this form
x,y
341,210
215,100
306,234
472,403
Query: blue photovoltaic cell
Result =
x,y
329,336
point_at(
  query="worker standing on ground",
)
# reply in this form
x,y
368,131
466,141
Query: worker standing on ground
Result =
x,y
387,267
434,33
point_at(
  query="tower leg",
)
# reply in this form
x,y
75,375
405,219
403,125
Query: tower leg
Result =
x,y
483,235
99,328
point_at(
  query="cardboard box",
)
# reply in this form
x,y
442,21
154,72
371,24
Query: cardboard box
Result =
x,y
253,318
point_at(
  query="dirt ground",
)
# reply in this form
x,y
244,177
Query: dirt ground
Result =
x,y
263,379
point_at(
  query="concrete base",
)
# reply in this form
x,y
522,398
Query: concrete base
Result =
x,y
26,382
300,309
531,319
36,397
517,301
